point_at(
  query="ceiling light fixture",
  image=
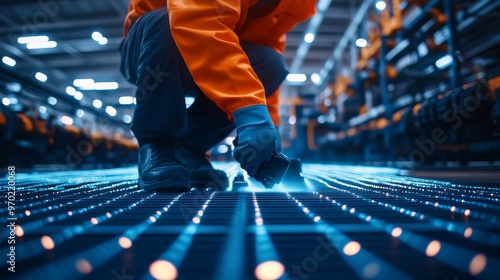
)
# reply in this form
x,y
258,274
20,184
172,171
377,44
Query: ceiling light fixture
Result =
x,y
32,39
296,78
103,41
78,95
41,77
106,86
9,61
126,100
41,45
52,100
97,103
70,91
361,43
309,38
380,5
111,111
97,36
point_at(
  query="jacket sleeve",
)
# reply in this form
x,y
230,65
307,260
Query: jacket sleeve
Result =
x,y
273,106
204,34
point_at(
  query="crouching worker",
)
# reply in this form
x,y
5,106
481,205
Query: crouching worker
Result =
x,y
226,53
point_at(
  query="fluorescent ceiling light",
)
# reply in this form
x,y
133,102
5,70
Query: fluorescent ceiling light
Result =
x,y
316,78
52,100
80,113
42,45
106,86
42,109
361,43
70,90
444,61
111,111
127,119
66,120
32,39
78,95
97,36
97,103
103,41
41,77
296,78
5,101
9,61
13,100
14,87
380,5
90,84
309,38
126,100
84,83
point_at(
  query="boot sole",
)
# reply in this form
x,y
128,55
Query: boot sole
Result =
x,y
165,186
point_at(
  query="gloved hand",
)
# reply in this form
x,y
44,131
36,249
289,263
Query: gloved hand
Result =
x,y
278,138
256,137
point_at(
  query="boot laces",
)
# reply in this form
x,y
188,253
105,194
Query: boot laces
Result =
x,y
163,151
195,159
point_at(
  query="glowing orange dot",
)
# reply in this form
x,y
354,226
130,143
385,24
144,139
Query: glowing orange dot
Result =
x,y
108,215
269,270
19,231
163,270
196,220
83,266
152,219
352,248
396,232
47,242
94,221
344,207
453,208
433,248
468,232
317,218
259,221
200,213
352,210
124,242
467,212
27,212
477,264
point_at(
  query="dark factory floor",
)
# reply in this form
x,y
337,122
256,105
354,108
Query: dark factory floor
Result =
x,y
340,222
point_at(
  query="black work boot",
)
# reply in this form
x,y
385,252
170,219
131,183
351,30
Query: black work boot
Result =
x,y
202,173
158,168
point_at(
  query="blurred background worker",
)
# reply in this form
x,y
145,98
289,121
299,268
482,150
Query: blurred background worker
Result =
x,y
228,54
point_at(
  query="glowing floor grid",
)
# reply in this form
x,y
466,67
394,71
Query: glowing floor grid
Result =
x,y
341,222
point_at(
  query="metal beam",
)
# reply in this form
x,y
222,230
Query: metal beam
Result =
x,y
348,36
66,25
314,23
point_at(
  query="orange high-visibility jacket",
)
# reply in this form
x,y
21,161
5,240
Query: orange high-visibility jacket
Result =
x,y
208,32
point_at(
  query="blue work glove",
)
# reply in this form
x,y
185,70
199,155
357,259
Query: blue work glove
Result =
x,y
256,137
278,139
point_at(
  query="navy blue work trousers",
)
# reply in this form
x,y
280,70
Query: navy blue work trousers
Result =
x,y
151,60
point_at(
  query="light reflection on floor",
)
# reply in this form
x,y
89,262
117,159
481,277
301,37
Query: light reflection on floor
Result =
x,y
345,222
